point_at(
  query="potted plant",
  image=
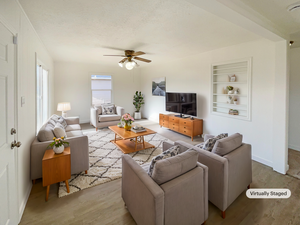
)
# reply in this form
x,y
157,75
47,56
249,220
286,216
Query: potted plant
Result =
x,y
127,119
230,89
138,101
58,145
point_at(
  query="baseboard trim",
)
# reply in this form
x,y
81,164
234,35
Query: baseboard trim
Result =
x,y
263,161
24,202
294,147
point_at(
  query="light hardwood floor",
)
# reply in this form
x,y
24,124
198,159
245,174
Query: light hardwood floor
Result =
x,y
103,204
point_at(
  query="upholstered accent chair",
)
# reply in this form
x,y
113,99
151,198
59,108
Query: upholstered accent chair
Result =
x,y
99,120
175,193
229,169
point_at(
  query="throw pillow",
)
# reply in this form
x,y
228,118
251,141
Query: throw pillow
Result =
x,y
166,154
63,122
98,108
51,122
208,145
59,131
55,117
108,109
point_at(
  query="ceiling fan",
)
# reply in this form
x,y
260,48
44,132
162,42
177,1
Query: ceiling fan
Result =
x,y
130,57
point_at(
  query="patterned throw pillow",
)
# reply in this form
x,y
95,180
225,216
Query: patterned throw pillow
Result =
x,y
108,110
208,145
166,154
51,122
55,117
63,122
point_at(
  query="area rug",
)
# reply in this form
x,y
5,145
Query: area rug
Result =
x,y
106,162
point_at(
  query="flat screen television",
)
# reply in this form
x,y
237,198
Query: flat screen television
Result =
x,y
183,103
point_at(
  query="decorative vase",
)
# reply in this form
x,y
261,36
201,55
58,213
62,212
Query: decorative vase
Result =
x,y
127,126
235,102
137,115
230,92
59,149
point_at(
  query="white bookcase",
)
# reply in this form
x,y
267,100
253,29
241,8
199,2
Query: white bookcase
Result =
x,y
220,102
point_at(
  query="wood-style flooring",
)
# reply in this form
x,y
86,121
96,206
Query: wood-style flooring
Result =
x,y
103,204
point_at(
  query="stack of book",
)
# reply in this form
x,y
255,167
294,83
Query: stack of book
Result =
x,y
138,129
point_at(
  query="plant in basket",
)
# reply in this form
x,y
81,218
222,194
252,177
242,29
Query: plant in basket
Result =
x,y
58,144
127,119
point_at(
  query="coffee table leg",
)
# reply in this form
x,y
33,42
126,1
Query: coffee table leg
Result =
x,y
67,185
115,137
143,142
136,142
47,193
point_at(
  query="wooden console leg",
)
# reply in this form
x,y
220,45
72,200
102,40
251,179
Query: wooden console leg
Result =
x,y
47,193
67,185
33,181
223,214
86,172
96,128
248,186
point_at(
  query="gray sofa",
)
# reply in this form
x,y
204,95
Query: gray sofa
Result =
x,y
98,120
177,192
78,143
229,169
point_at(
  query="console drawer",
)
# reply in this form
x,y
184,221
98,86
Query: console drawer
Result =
x,y
186,131
164,123
173,119
186,123
163,117
174,127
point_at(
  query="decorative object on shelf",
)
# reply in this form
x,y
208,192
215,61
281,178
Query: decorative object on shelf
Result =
x,y
237,91
232,78
138,101
64,106
229,99
159,86
120,124
233,112
224,90
127,119
58,145
235,101
230,89
128,61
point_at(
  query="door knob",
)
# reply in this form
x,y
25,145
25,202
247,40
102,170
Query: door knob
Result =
x,y
13,131
15,144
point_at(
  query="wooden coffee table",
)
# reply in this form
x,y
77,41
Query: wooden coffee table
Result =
x,y
129,141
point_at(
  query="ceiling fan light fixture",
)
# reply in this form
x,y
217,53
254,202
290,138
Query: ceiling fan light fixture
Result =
x,y
291,42
121,64
129,65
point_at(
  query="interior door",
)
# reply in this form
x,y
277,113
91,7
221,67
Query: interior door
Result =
x,y
8,181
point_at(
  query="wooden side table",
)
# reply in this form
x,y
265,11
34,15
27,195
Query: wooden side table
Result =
x,y
56,168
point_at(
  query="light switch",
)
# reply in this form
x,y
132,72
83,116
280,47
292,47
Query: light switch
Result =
x,y
22,101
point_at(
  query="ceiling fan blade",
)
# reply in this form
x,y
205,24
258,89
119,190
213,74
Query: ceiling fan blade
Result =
x,y
142,59
115,55
123,60
138,53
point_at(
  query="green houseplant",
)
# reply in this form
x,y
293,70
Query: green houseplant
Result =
x,y
138,101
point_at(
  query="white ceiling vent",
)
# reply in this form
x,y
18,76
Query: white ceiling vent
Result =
x,y
294,6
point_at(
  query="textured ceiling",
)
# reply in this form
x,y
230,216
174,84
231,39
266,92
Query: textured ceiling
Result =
x,y
83,31
276,11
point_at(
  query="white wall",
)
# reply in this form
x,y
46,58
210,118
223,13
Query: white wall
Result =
x,y
294,121
73,84
192,74
28,44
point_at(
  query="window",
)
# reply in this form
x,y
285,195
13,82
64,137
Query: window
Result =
x,y
101,89
42,96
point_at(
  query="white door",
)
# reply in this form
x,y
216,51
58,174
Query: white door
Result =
x,y
8,184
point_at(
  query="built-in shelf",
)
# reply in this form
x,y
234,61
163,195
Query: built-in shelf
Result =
x,y
222,103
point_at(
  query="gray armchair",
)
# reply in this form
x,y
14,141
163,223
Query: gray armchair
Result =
x,y
177,192
230,174
98,120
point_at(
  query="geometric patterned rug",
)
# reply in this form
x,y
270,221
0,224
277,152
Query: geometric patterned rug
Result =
x,y
105,160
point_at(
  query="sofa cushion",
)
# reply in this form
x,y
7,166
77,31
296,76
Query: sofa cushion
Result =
x,y
170,168
108,109
59,131
45,133
72,127
106,118
226,145
98,108
209,144
63,122
146,167
74,133
174,150
55,117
